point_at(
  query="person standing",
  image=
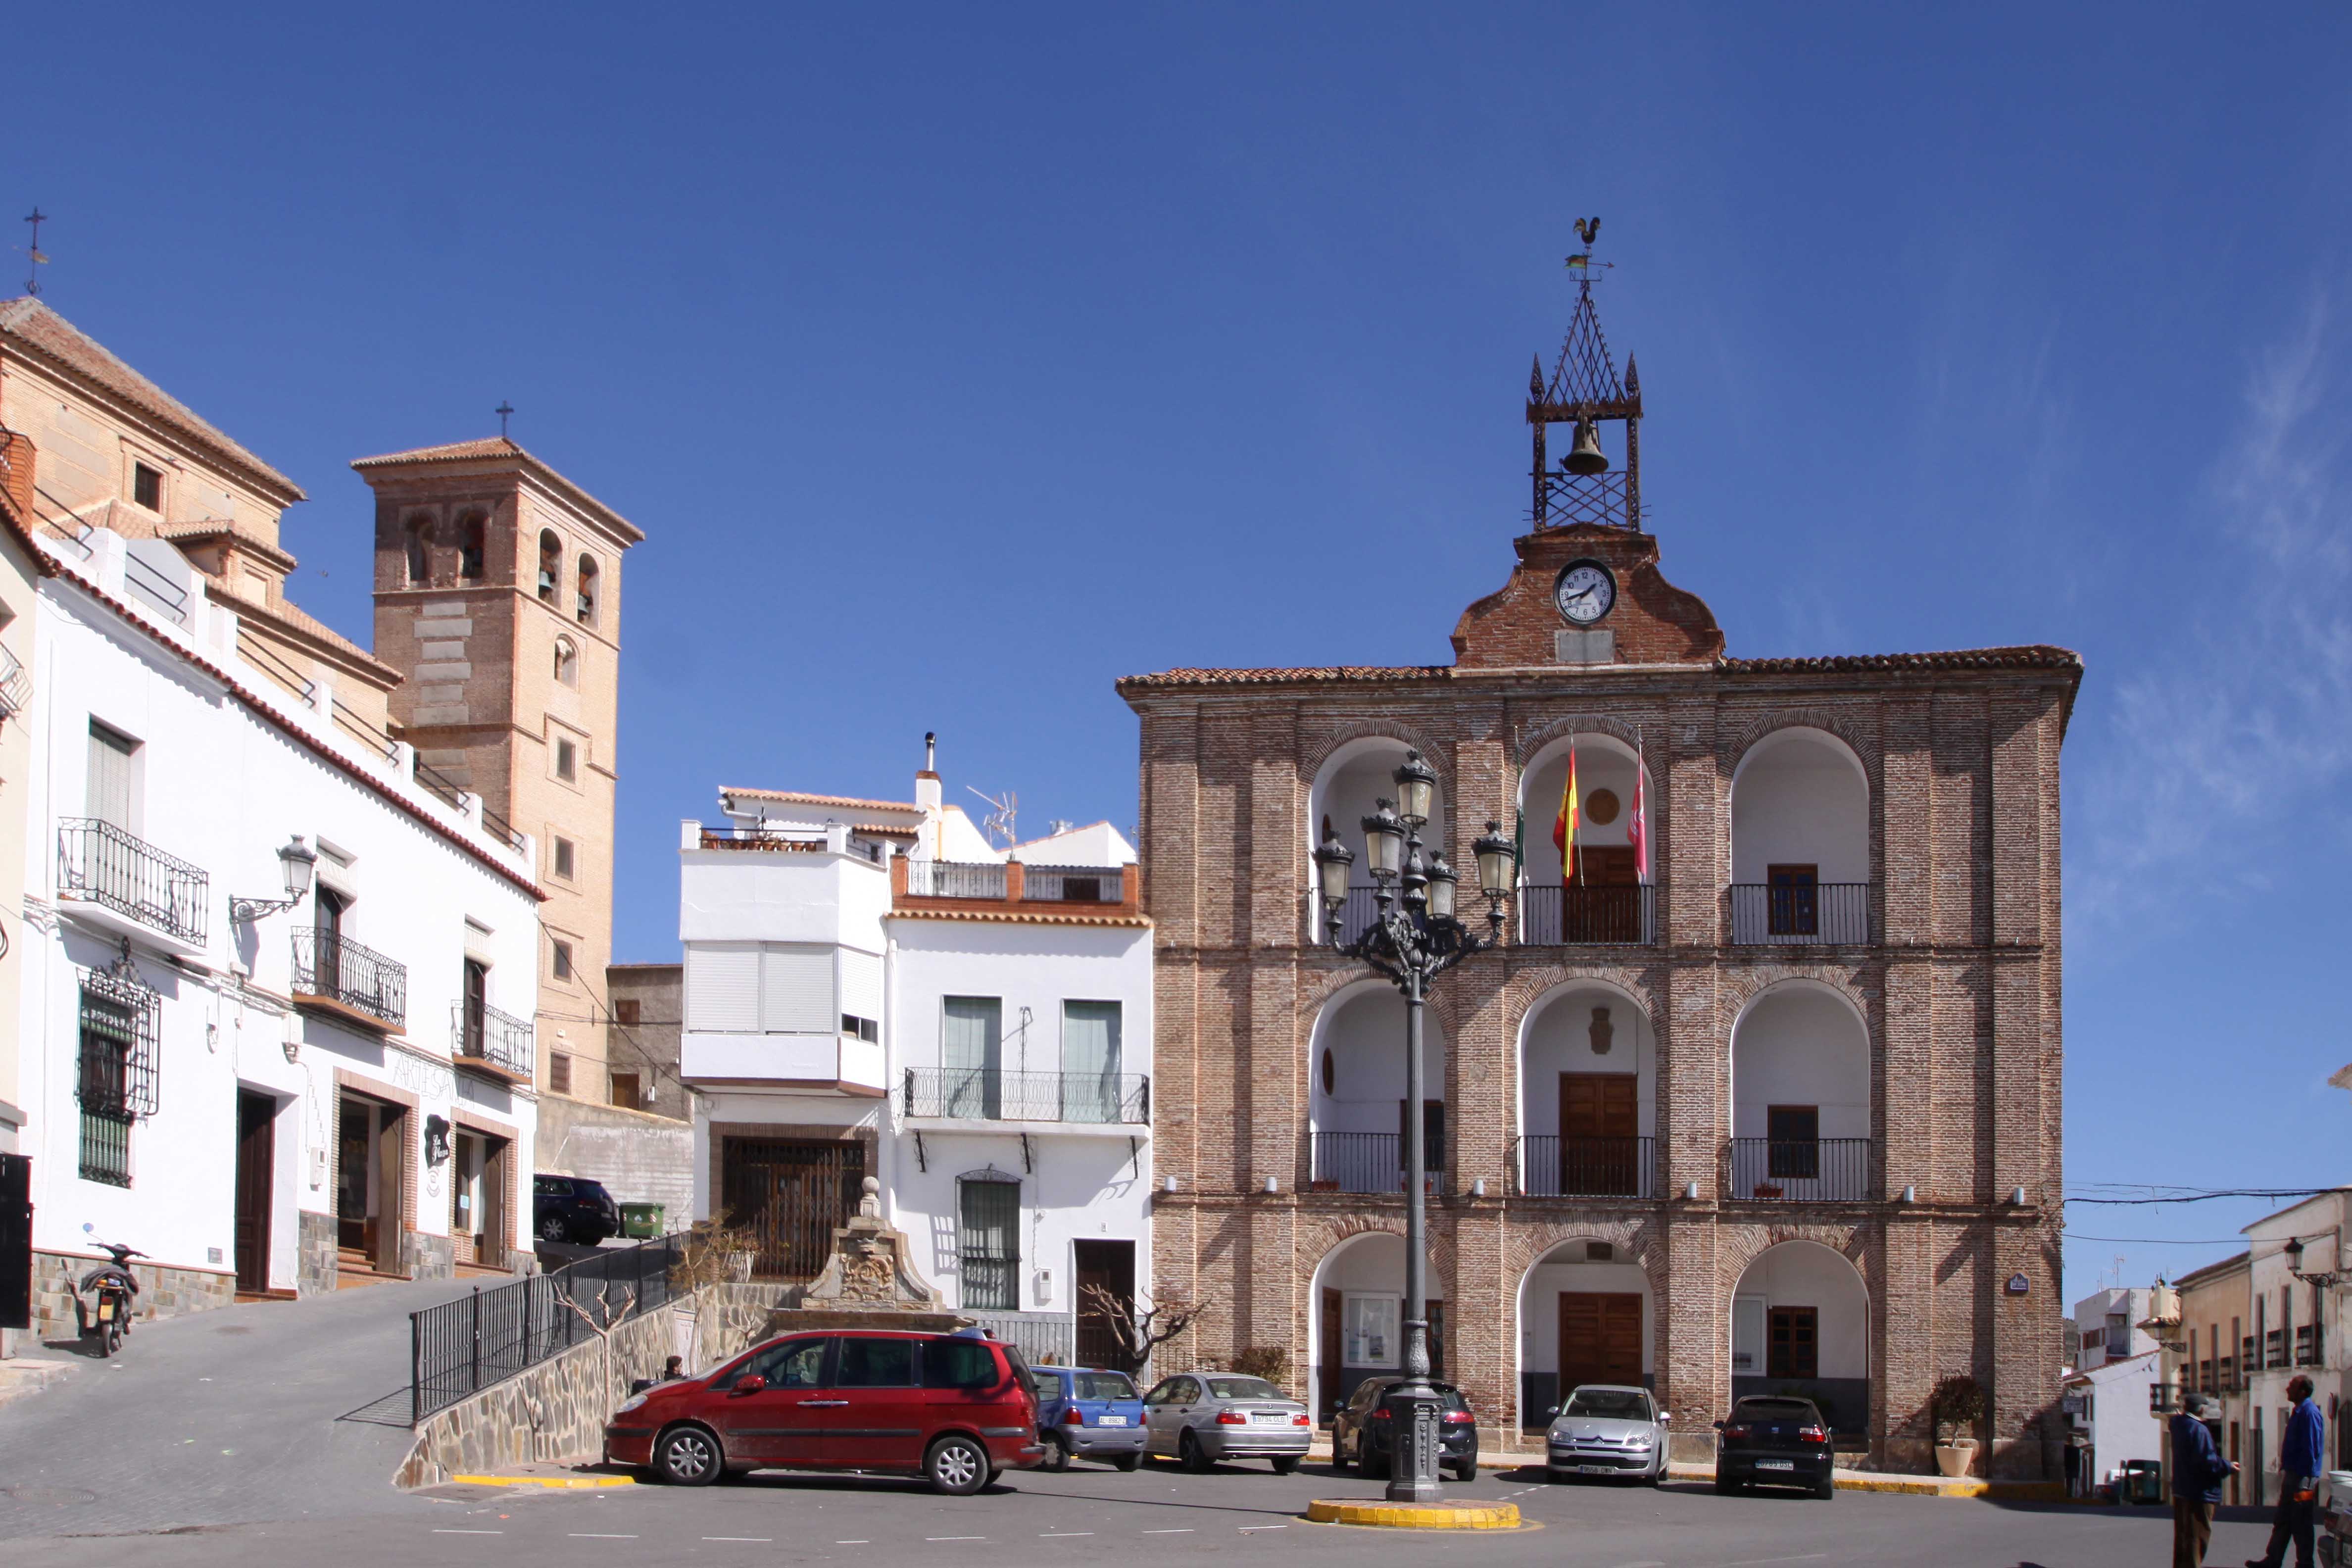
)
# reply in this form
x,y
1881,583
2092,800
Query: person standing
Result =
x,y
2299,1456
2198,1472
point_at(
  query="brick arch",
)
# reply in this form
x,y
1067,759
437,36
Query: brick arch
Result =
x,y
1838,722
1532,741
1741,987
1738,1246
1524,989
1639,1239
1318,1241
1438,756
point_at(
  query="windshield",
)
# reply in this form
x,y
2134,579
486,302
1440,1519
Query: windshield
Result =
x,y
1610,1404
1776,1410
1101,1385
1244,1388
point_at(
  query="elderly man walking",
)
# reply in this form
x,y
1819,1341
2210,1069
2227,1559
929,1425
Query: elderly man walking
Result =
x,y
2198,1472
2299,1467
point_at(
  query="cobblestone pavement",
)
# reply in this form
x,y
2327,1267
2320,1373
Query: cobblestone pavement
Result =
x,y
221,1417
1155,1516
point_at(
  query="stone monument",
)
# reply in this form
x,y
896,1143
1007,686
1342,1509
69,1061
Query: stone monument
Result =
x,y
870,1282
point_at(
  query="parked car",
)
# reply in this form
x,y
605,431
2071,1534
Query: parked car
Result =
x,y
1201,1417
956,1409
1363,1433
1088,1413
573,1209
1607,1429
1774,1440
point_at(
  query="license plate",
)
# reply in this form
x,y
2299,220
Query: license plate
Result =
x,y
1111,1420
1596,1470
1264,1419
1776,1464
105,1310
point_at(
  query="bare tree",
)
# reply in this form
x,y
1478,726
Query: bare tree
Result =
x,y
708,1258
1173,1314
602,1322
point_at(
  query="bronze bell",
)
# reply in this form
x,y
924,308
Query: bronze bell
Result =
x,y
1586,456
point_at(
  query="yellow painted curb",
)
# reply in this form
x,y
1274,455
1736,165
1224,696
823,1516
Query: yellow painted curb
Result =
x,y
1416,1516
568,1483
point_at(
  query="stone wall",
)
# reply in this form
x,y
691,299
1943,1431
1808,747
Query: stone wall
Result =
x,y
428,1257
317,1268
555,1412
164,1291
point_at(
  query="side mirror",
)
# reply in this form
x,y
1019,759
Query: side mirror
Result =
x,y
1664,1417
754,1383
1551,1413
640,1384
1718,1425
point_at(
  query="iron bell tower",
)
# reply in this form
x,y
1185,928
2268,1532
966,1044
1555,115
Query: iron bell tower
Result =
x,y
1584,391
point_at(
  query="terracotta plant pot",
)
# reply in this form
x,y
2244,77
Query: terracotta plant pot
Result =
x,y
1768,1189
1953,1458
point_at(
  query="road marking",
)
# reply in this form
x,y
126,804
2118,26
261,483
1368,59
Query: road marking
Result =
x,y
770,1540
1064,1535
1167,1532
469,1533
596,1535
1247,1527
1759,1562
853,1544
955,1538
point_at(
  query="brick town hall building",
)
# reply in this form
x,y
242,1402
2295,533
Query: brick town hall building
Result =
x,y
1783,1115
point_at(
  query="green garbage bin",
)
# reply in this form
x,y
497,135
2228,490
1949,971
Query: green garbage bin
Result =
x,y
640,1220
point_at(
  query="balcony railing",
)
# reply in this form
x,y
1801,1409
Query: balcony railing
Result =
x,y
107,866
340,970
1800,1170
2308,1343
1367,1162
2274,1349
1551,1167
1357,913
478,1032
1073,884
1573,916
1765,915
955,880
16,685
982,1095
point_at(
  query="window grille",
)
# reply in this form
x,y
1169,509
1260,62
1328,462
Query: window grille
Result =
x,y
121,1025
990,1243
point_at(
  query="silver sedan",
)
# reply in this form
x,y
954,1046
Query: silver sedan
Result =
x,y
1201,1417
1608,1430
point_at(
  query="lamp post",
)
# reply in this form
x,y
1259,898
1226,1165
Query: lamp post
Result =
x,y
299,860
1415,938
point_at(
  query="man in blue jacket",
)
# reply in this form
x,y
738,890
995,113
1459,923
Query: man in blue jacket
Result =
x,y
2299,1467
2197,1471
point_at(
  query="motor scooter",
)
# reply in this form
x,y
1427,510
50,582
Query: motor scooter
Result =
x,y
108,1298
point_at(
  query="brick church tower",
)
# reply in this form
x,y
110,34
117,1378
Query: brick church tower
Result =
x,y
498,595
1762,1097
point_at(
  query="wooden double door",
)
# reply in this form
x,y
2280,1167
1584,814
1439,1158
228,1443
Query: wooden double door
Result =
x,y
371,1182
479,1168
1599,1338
1599,1123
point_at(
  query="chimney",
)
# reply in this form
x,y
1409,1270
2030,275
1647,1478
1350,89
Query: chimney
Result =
x,y
927,783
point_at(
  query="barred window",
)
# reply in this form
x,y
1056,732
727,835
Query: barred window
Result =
x,y
989,1212
116,1081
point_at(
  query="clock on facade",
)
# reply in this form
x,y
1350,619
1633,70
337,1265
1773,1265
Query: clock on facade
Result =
x,y
1585,591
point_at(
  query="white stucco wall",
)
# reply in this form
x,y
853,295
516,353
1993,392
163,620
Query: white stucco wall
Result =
x,y
1602,761
1800,796
1557,1038
1807,1274
1801,1044
1363,1029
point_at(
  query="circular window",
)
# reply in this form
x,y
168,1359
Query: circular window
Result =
x,y
1327,1072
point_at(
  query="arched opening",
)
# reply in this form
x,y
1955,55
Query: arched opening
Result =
x,y
1584,1317
1350,782
1356,1313
1800,1098
418,543
550,564
1799,841
567,662
1356,1102
473,531
1800,1325
1587,1095
587,596
1599,893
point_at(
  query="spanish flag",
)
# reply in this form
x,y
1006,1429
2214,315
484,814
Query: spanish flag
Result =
x,y
1563,831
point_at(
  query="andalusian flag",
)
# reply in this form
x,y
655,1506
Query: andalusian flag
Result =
x,y
1563,831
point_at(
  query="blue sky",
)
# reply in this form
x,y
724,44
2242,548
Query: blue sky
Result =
x,y
957,360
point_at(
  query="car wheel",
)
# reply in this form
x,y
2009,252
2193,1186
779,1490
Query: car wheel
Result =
x,y
957,1465
1284,1463
1126,1461
1468,1470
1058,1453
1725,1484
1658,1476
1190,1454
687,1457
1826,1487
553,1229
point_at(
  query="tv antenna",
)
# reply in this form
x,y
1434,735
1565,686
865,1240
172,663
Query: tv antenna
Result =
x,y
35,259
999,818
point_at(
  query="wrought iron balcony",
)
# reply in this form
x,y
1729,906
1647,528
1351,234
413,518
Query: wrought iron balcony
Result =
x,y
1073,884
1768,914
1573,916
1800,1170
480,1032
982,1094
1587,1167
337,970
1368,1163
16,685
955,880
100,862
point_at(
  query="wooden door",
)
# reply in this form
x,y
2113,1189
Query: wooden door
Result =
x,y
1600,1340
256,1148
354,1136
1794,894
391,1188
1600,1119
1602,899
1792,1343
1103,1268
1327,1353
490,1234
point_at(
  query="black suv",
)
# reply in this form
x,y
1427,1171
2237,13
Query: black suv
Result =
x,y
1362,1430
1774,1441
573,1209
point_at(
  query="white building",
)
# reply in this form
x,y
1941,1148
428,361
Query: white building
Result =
x,y
2296,1325
2111,1413
260,1099
872,988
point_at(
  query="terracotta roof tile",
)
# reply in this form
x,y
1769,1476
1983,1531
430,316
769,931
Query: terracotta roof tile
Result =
x,y
2036,657
29,324
798,798
500,446
186,533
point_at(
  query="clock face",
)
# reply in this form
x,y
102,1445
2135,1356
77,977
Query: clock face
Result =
x,y
1586,591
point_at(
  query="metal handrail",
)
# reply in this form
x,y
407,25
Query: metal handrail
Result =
x,y
1554,916
1365,1163
955,880
1825,914
103,863
150,585
16,685
479,1032
441,784
988,1095
377,741
1800,1170
341,970
253,651
1552,1166
500,828
1073,884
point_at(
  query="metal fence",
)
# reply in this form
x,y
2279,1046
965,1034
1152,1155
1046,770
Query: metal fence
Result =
x,y
955,880
1369,1162
1573,916
1800,1170
1765,914
986,1095
464,1346
342,970
1588,1167
1073,884
1043,1339
131,877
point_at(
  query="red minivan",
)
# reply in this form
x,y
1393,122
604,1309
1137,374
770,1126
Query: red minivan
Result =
x,y
953,1408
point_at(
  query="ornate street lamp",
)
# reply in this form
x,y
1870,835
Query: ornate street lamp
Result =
x,y
299,860
1416,937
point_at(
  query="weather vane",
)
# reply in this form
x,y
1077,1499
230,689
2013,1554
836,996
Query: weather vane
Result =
x,y
1588,229
32,251
502,410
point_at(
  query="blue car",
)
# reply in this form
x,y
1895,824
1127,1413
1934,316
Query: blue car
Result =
x,y
1085,1412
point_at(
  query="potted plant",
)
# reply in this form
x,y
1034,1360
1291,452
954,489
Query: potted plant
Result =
x,y
1957,1405
1768,1189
